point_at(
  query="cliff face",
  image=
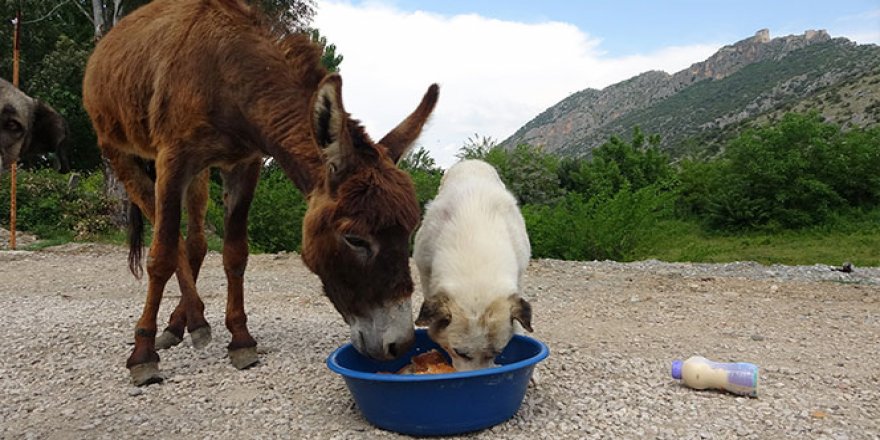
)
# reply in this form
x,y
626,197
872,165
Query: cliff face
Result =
x,y
585,119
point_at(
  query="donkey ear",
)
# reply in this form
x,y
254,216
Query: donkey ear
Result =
x,y
328,120
521,310
398,140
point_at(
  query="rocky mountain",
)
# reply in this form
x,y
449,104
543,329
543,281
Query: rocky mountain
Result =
x,y
755,79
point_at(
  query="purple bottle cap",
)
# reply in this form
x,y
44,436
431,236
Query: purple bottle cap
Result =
x,y
676,369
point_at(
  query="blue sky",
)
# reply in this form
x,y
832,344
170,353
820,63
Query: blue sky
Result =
x,y
628,27
500,63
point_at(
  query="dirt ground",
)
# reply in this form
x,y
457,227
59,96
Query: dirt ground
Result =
x,y
67,316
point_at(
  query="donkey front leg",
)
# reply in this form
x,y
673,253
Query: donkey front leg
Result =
x,y
238,187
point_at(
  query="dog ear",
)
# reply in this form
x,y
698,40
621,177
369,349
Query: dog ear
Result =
x,y
521,310
434,312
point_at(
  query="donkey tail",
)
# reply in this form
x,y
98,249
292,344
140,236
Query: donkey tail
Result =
x,y
135,240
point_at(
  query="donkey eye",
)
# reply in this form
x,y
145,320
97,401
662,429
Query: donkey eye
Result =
x,y
361,246
355,241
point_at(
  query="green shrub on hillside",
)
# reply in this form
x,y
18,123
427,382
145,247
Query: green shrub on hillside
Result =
x,y
616,164
788,175
49,207
529,173
601,228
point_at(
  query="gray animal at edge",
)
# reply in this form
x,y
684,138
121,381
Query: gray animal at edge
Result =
x,y
29,128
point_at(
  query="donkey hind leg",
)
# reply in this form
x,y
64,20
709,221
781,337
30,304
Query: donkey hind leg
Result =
x,y
164,211
143,363
189,315
238,187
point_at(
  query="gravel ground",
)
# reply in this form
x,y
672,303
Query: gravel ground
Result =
x,y
67,316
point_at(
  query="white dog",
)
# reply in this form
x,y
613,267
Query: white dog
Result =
x,y
472,251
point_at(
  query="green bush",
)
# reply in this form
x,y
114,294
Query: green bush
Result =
x,y
599,228
528,172
275,219
616,164
49,207
425,174
792,174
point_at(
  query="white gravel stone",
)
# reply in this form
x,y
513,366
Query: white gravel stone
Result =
x,y
613,329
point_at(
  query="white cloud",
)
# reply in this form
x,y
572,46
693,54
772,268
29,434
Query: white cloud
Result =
x,y
494,75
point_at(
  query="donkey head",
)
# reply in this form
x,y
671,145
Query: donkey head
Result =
x,y
359,221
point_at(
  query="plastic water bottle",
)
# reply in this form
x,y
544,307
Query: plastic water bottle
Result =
x,y
700,373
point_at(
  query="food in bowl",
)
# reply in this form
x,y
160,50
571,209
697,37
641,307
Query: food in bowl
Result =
x,y
438,404
430,362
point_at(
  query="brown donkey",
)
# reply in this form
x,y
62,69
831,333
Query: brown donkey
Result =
x,y
194,84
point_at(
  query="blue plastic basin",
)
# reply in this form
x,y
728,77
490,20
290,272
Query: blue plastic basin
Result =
x,y
438,404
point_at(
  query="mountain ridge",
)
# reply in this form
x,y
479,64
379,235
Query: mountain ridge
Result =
x,y
584,120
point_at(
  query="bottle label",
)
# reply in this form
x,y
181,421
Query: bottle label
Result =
x,y
742,374
742,377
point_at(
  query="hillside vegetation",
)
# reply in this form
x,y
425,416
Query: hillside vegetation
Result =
x,y
796,191
694,111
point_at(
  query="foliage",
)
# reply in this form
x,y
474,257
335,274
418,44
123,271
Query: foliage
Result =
x,y
617,164
849,235
796,191
425,173
329,59
476,147
290,15
276,214
49,206
59,82
596,229
792,174
58,36
529,173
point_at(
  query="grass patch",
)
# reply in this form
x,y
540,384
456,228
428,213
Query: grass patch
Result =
x,y
47,243
855,239
120,237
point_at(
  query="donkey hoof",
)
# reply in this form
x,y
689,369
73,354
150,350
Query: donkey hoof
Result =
x,y
244,357
201,337
167,340
146,374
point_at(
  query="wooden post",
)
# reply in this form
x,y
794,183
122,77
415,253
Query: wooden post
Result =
x,y
12,178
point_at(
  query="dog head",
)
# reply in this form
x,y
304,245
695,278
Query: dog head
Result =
x,y
473,336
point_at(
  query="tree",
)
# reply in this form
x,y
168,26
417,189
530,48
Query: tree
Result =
x,y
476,147
329,59
59,82
425,173
55,42
529,173
288,15
790,174
616,164
57,37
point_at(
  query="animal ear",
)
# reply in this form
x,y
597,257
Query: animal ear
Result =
x,y
48,134
329,119
401,138
434,311
521,310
